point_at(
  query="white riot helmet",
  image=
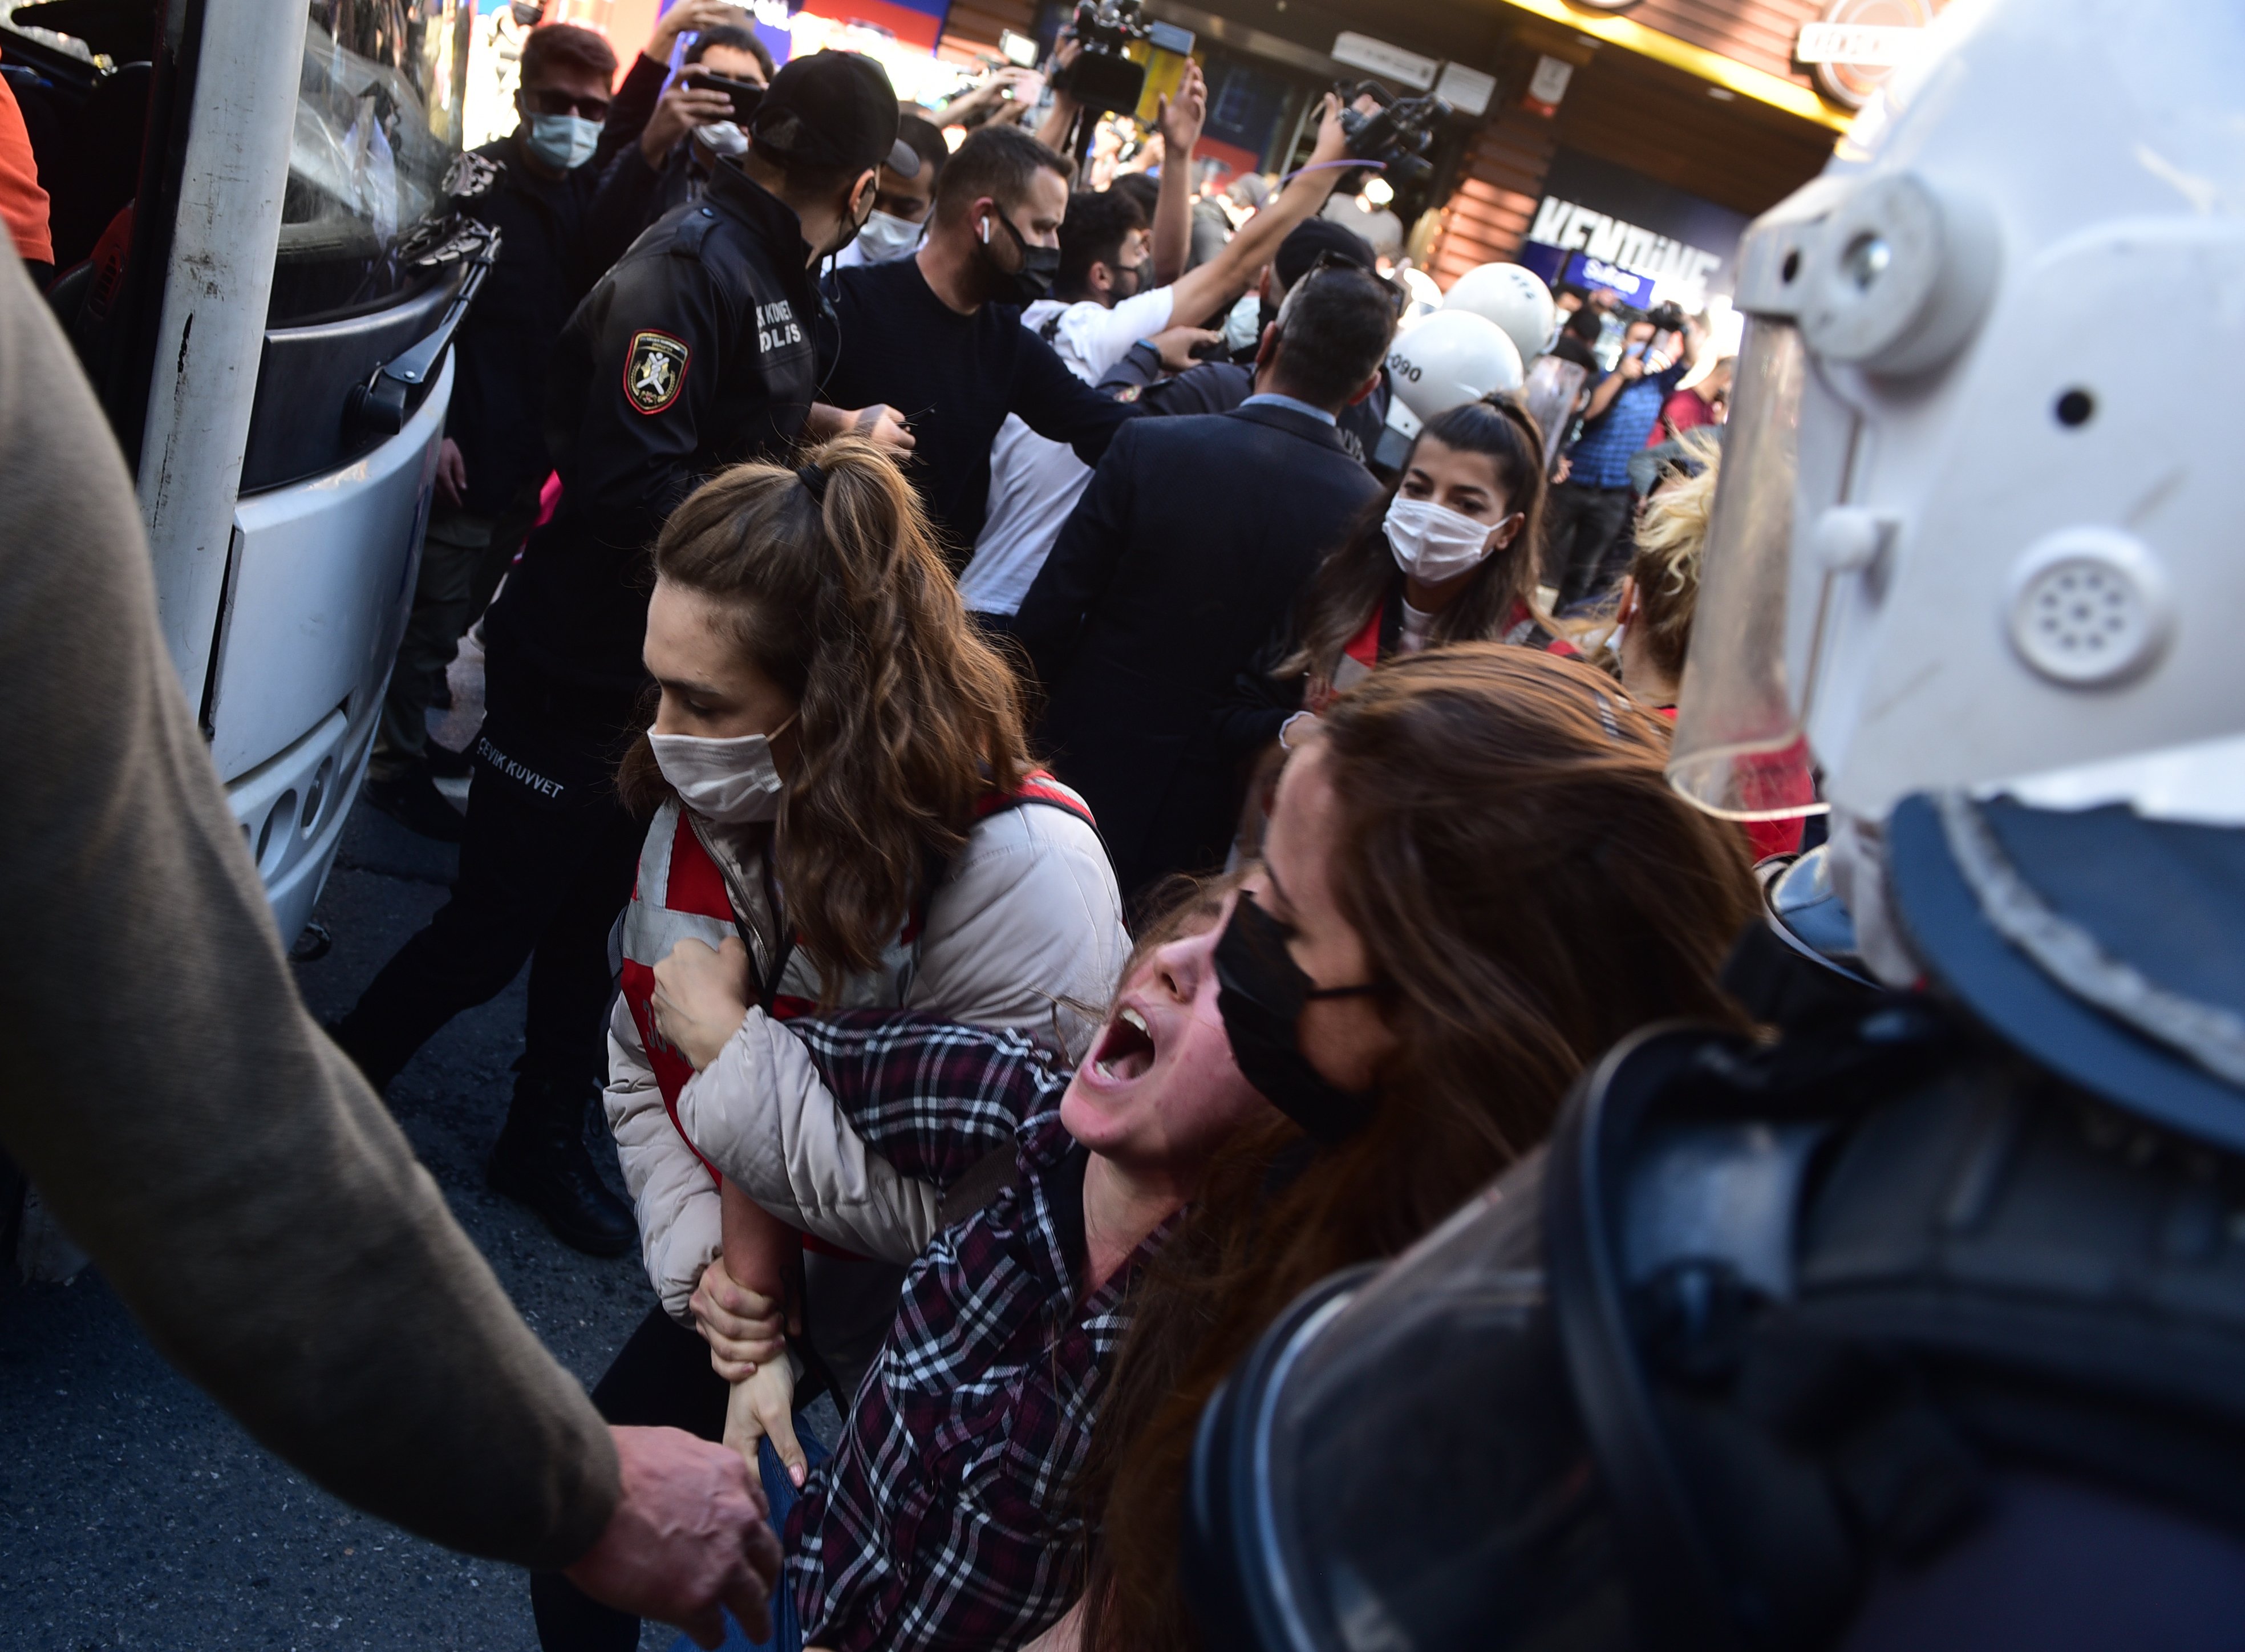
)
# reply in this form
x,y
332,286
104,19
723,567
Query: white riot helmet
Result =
x,y
1513,298
1971,534
1451,357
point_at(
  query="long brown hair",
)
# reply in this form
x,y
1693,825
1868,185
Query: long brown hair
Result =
x,y
1512,856
1351,582
905,718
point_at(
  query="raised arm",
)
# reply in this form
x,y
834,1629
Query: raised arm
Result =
x,y
1180,119
1200,291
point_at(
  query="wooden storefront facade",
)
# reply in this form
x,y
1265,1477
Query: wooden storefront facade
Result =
x,y
1700,97
1661,117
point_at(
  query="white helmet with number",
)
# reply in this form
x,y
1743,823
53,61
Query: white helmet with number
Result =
x,y
1451,357
1975,530
1513,298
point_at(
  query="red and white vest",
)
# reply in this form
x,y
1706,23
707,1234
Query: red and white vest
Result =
x,y
1361,657
680,894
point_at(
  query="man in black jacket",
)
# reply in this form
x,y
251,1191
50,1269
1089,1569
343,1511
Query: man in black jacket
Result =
x,y
493,460
661,145
693,354
1189,544
938,336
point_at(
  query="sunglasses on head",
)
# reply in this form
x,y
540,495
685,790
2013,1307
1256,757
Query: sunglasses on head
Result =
x,y
552,100
1399,299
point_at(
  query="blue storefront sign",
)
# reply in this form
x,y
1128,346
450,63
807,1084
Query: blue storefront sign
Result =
x,y
1601,225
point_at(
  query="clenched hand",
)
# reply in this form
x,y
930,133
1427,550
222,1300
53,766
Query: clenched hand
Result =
x,y
691,1537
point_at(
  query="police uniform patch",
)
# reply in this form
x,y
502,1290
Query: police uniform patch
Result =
x,y
654,371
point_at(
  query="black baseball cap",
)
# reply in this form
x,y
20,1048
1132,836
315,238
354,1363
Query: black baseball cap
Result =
x,y
833,109
1311,239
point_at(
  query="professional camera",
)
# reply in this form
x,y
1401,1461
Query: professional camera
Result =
x,y
1393,136
1667,317
1102,78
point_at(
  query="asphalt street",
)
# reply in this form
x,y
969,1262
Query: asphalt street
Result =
x,y
134,1513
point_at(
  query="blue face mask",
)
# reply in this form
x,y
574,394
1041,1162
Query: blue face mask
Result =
x,y
566,141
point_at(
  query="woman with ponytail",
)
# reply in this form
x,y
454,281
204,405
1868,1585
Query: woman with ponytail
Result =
x,y
843,816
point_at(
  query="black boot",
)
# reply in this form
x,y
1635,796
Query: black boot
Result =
x,y
541,1161
412,800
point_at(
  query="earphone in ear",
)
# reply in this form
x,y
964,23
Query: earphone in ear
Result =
x,y
985,231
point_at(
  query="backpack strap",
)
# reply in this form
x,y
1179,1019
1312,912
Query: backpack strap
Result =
x,y
1037,786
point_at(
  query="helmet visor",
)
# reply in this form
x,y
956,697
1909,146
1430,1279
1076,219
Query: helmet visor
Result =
x,y
1421,1480
1739,751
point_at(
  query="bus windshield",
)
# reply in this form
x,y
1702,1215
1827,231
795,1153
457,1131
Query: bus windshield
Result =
x,y
378,121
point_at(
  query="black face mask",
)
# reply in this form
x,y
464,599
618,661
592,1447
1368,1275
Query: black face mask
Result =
x,y
1032,280
1130,281
1261,994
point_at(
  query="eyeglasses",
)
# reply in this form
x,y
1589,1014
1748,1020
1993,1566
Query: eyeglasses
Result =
x,y
552,100
1398,296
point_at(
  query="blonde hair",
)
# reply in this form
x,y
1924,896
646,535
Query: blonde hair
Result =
x,y
1671,536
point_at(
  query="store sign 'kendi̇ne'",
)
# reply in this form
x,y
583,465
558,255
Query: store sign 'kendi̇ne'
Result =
x,y
1680,266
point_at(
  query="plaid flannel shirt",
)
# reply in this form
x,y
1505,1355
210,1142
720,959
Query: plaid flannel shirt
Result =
x,y
944,1519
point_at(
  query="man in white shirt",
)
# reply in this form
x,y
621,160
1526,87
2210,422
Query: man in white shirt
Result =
x,y
1103,301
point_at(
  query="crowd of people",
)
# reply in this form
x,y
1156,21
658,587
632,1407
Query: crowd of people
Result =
x,y
1055,906
994,607
989,623
1037,844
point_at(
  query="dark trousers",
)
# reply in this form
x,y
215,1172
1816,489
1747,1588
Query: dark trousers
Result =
x,y
462,558
1585,539
456,543
537,880
660,1379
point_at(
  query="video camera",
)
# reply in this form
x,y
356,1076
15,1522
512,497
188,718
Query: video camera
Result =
x,y
1393,137
1102,78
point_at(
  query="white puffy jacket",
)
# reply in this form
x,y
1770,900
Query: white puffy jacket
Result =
x,y
1028,919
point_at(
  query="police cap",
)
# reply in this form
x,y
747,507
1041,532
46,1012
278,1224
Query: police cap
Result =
x,y
833,109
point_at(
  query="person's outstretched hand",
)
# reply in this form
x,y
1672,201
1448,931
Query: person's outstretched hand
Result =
x,y
1181,118
1175,345
690,1538
1333,136
700,15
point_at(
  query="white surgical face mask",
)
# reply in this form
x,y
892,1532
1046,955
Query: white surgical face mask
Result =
x,y
730,782
567,141
1434,543
722,138
886,237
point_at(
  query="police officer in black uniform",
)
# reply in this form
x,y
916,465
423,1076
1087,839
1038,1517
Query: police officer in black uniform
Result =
x,y
694,353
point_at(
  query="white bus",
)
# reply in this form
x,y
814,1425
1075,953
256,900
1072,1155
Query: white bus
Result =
x,y
255,261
